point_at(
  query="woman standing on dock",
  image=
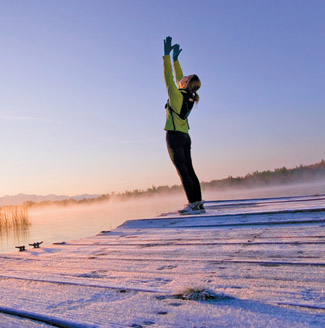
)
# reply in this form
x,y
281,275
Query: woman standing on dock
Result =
x,y
180,102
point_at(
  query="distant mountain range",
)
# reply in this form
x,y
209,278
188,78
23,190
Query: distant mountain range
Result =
x,y
21,198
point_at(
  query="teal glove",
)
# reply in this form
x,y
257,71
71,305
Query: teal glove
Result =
x,y
168,45
176,52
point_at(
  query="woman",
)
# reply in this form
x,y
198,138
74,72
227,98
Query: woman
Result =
x,y
180,103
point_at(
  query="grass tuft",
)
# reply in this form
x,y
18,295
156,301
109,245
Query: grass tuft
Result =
x,y
202,294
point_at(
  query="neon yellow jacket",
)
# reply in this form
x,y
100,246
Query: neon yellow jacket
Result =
x,y
175,97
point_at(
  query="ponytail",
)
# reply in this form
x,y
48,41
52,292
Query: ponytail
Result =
x,y
196,97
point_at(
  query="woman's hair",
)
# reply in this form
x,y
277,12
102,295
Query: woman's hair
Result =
x,y
193,85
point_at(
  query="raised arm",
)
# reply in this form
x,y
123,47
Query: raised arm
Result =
x,y
177,67
174,95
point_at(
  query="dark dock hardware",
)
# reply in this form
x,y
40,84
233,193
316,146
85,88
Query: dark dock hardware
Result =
x,y
21,248
36,245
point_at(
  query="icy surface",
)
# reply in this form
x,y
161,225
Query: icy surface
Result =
x,y
263,259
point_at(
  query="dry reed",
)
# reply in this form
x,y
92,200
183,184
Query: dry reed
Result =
x,y
14,218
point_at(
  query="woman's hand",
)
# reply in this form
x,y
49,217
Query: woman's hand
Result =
x,y
176,52
168,45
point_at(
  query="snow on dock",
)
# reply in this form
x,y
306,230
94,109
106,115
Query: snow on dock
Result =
x,y
254,263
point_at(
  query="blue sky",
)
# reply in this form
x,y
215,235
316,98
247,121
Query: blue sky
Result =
x,y
82,90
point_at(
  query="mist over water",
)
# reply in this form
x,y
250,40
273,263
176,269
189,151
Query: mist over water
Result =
x,y
303,189
57,224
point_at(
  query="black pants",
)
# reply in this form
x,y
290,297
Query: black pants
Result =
x,y
179,149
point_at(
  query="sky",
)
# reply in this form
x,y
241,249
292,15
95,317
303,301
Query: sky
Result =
x,y
82,90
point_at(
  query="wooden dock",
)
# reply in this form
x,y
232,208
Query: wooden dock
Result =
x,y
262,261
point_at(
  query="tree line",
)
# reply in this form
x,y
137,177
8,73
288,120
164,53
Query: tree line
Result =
x,y
299,174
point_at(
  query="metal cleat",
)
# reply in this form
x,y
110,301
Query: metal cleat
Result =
x,y
36,245
21,248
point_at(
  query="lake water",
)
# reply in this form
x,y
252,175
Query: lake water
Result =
x,y
58,224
